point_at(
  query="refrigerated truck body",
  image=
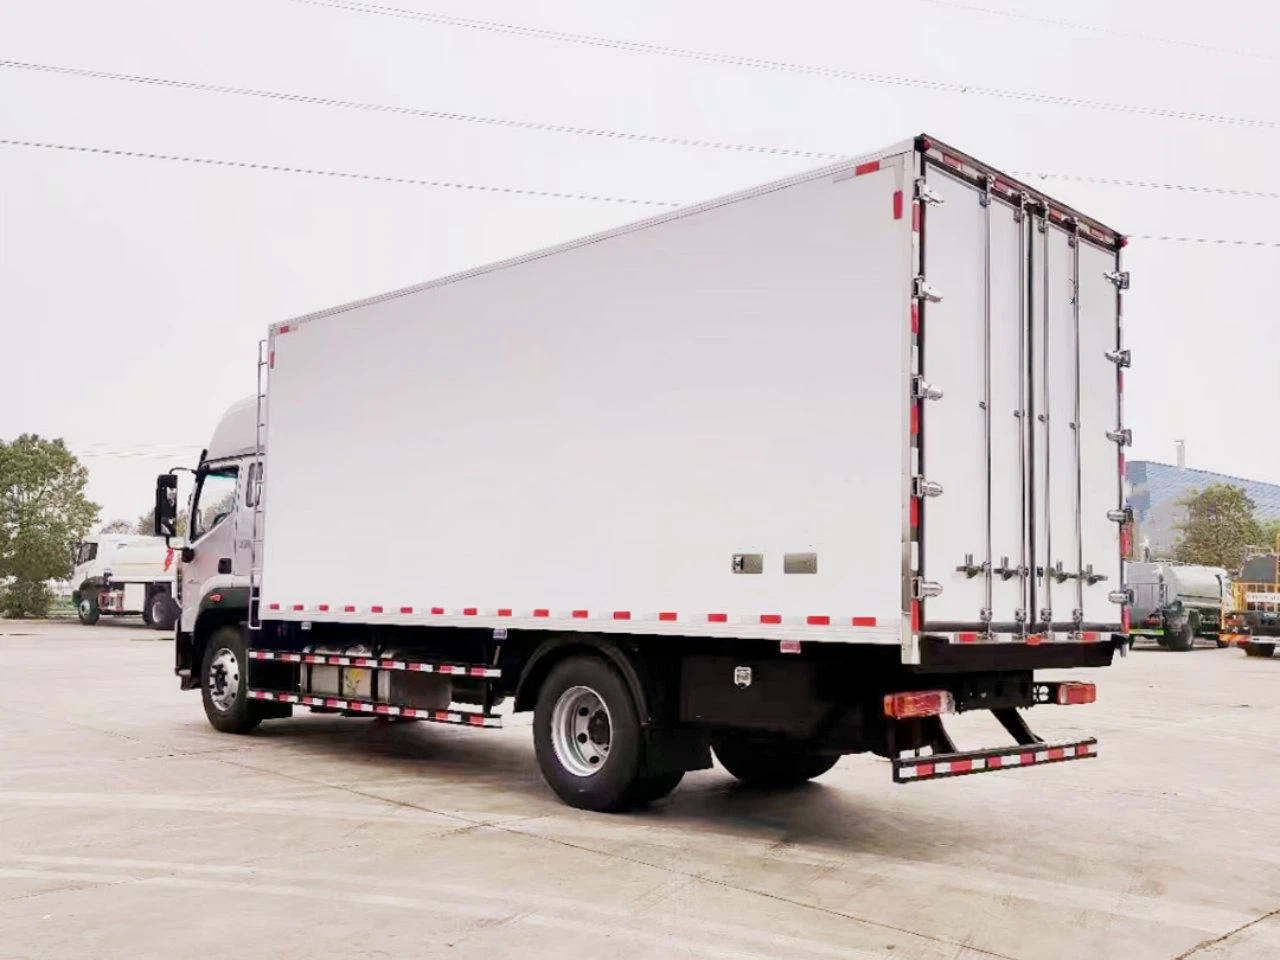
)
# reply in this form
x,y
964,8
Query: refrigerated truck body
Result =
x,y
788,474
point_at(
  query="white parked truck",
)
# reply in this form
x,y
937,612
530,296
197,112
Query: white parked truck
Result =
x,y
122,575
1176,602
785,475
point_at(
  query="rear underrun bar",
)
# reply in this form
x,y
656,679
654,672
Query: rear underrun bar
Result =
x,y
910,769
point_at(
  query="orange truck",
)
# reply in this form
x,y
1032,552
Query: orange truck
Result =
x,y
1253,622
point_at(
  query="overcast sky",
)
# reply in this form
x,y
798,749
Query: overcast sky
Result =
x,y
133,291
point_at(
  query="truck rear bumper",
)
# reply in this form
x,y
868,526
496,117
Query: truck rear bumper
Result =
x,y
938,655
911,769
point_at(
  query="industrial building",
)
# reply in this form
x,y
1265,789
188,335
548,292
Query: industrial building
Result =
x,y
1155,489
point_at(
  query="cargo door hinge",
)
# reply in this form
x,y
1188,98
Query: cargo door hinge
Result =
x,y
1119,277
1121,358
920,488
1123,515
924,391
1123,436
924,589
926,194
925,292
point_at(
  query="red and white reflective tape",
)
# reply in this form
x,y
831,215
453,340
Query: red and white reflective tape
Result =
x,y
665,616
1005,188
376,663
379,709
909,769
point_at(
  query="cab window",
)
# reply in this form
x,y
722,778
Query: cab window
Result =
x,y
215,500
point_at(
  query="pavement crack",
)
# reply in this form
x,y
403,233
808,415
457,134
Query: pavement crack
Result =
x,y
1206,944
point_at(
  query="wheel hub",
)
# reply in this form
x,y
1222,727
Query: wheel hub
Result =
x,y
224,680
581,731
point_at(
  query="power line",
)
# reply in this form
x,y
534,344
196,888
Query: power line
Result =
x,y
683,53
1208,241
1093,28
1153,185
559,128
339,174
275,168
414,111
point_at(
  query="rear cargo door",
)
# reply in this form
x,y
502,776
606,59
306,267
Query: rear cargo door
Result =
x,y
1076,467
1017,320
974,351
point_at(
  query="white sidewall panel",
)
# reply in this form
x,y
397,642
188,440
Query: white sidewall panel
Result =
x,y
604,427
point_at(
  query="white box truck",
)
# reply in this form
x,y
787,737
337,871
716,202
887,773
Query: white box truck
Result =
x,y
120,575
785,475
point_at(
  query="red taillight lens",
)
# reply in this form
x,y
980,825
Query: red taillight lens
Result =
x,y
1124,620
1076,693
918,703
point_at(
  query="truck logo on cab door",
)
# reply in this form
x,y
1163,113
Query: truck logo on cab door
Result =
x,y
742,677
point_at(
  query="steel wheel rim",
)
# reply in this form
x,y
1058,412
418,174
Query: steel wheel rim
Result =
x,y
581,731
86,608
157,609
223,681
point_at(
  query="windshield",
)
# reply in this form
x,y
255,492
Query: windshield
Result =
x,y
215,499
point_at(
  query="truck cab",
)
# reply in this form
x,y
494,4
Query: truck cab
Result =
x,y
213,578
124,575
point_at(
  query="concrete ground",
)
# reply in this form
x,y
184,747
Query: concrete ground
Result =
x,y
129,828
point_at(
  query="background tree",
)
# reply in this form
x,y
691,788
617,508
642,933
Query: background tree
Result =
x,y
117,526
1218,527
1270,534
43,513
146,523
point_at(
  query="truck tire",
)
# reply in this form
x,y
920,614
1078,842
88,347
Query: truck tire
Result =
x,y
159,610
1183,638
224,682
772,763
1255,649
87,609
586,734
655,787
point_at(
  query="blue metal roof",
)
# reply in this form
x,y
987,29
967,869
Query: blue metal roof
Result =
x,y
1155,489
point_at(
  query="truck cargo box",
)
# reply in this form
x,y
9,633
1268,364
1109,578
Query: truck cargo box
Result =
x,y
870,403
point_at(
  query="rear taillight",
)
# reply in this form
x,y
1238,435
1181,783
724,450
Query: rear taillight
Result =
x,y
1125,622
918,703
1072,692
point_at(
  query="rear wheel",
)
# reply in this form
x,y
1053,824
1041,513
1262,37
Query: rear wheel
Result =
x,y
1255,649
1183,638
87,608
586,734
772,763
224,686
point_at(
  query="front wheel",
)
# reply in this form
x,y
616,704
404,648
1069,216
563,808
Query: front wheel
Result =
x,y
772,763
87,609
224,687
586,733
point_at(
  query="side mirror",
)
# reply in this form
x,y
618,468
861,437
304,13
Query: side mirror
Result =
x,y
166,514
